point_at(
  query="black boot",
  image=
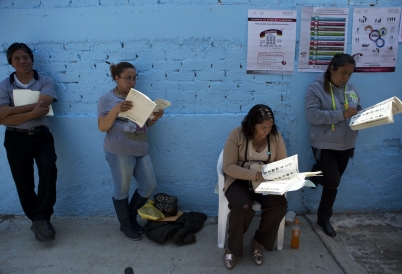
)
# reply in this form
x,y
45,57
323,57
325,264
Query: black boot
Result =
x,y
121,207
136,203
328,229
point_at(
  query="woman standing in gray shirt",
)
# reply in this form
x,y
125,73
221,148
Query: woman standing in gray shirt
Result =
x,y
330,102
126,150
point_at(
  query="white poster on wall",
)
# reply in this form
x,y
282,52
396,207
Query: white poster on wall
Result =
x,y
271,41
323,33
375,39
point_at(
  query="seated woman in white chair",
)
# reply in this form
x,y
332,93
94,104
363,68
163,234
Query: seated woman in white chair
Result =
x,y
259,138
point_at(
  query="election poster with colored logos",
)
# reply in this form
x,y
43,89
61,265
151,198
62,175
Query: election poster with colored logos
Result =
x,y
375,39
271,41
323,33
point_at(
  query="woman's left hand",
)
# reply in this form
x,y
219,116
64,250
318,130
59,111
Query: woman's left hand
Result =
x,y
349,112
158,114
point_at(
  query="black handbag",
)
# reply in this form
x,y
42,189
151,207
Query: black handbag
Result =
x,y
169,205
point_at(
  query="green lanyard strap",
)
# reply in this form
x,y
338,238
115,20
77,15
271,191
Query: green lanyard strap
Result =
x,y
346,105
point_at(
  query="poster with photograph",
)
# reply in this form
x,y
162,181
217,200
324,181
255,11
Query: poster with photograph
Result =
x,y
323,33
271,41
375,38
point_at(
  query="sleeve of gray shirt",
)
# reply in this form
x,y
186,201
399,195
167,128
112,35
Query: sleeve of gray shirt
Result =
x,y
106,103
5,99
48,87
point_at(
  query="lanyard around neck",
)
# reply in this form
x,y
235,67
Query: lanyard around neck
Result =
x,y
346,105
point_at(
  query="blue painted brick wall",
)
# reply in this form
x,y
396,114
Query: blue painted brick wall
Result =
x,y
192,53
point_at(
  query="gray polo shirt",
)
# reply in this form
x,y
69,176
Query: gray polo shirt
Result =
x,y
40,82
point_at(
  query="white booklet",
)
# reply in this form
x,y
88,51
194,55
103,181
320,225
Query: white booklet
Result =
x,y
26,97
282,176
160,104
379,114
143,107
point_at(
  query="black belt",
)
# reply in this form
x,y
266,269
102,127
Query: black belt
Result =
x,y
30,131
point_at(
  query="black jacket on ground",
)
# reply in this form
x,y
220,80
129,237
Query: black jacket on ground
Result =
x,y
181,231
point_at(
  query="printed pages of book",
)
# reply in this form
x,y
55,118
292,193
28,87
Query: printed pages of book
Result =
x,y
282,176
142,107
26,97
379,114
160,104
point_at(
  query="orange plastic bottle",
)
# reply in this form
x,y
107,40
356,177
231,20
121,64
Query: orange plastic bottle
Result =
x,y
295,235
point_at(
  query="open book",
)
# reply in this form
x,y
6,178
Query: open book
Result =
x,y
143,107
282,176
379,114
26,97
160,104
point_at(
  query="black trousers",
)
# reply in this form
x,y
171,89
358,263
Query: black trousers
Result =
x,y
333,164
241,199
22,149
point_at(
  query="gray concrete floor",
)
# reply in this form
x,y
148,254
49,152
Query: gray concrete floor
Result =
x,y
366,243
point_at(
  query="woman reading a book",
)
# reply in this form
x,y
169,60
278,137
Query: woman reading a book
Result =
x,y
126,150
256,141
330,102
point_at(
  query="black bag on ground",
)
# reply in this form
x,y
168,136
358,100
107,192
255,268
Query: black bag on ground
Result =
x,y
169,205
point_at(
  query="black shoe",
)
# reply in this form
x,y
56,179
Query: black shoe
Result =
x,y
44,231
328,229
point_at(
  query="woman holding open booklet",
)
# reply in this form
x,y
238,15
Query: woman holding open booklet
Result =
x,y
330,103
126,149
257,140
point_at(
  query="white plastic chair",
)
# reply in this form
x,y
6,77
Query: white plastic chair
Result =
x,y
224,210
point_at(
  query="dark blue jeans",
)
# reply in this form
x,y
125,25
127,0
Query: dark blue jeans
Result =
x,y
22,149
